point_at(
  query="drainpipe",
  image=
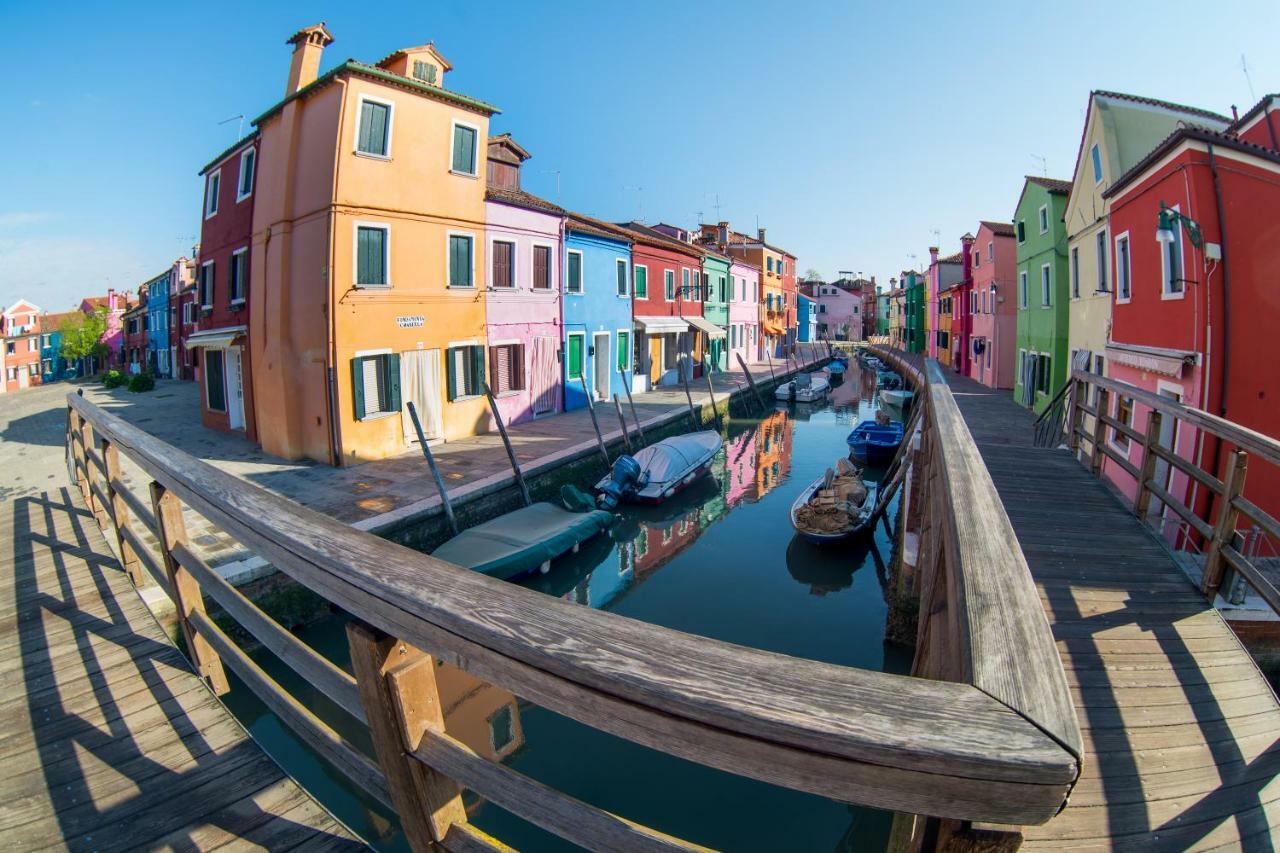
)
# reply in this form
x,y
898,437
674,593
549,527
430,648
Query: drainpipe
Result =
x,y
1226,317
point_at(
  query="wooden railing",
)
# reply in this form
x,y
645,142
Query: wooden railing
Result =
x,y
1212,520
993,741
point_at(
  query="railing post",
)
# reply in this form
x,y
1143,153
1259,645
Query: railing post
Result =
x,y
183,588
120,513
95,505
1073,414
397,684
1148,469
1225,527
1099,431
77,454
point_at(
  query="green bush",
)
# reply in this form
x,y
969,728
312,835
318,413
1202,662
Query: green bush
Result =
x,y
113,379
142,382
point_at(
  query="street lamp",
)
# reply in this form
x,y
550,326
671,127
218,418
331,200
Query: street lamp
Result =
x,y
1167,223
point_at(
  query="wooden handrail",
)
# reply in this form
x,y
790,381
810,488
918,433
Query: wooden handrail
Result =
x,y
985,751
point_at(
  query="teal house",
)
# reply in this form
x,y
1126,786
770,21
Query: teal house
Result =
x,y
715,306
1046,284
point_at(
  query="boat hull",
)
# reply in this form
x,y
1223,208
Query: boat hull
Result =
x,y
895,397
522,541
868,504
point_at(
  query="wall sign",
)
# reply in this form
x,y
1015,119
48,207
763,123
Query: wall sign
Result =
x,y
411,322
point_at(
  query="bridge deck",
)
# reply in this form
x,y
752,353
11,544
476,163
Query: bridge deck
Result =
x,y
107,738
1181,730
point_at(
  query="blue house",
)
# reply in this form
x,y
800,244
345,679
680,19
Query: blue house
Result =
x,y
53,367
160,355
806,320
598,335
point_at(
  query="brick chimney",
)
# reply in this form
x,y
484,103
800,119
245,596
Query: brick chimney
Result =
x,y
722,230
308,43
933,255
760,232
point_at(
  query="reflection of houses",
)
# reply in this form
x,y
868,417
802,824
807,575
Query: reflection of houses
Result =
x,y
658,544
740,468
773,452
484,717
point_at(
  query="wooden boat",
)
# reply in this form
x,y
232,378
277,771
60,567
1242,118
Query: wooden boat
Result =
x,y
660,470
896,396
805,388
873,443
524,540
888,379
823,513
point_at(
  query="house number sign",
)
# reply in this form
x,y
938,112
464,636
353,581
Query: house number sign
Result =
x,y
412,322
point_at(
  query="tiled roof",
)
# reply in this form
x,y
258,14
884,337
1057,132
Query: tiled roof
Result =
x,y
1000,229
1172,140
227,152
649,236
951,259
583,224
1254,110
50,322
1053,185
1168,105
520,198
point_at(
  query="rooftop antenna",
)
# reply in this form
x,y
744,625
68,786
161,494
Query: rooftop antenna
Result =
x,y
717,207
555,172
937,236
1244,66
239,128
1044,165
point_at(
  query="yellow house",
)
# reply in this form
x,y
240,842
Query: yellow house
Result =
x,y
366,260
1119,131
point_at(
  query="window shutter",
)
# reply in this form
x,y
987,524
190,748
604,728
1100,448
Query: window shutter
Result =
x,y
357,386
393,382
519,374
498,362
478,370
451,373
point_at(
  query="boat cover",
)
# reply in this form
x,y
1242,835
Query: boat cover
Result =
x,y
523,540
672,458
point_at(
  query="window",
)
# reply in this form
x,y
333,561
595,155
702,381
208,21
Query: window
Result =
x,y
502,270
212,186
465,368
575,344
373,134
1124,283
669,285
1043,373
215,390
991,250
1075,272
188,313
977,260
373,246
464,149
573,273
822,309
542,267
1046,293
375,384
424,71
461,264
239,276
1099,365
991,292
1022,365
1022,288
33,345
248,162
1124,414
621,266
642,282
1102,261
624,351
206,285
1022,231
506,368
501,727
1095,154
769,264
1172,284
684,284
1044,219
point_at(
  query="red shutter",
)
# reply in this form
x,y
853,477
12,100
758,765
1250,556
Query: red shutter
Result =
x,y
541,267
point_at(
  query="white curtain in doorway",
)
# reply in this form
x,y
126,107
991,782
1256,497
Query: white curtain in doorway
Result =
x,y
420,384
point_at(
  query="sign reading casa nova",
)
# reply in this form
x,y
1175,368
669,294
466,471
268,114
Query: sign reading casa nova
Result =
x,y
414,321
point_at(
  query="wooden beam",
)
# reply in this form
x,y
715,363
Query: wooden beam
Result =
x,y
1099,432
506,443
595,423
622,424
626,386
435,470
1225,526
751,381
120,513
1147,470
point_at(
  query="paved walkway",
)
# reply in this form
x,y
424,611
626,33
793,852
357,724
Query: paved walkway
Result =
x,y
108,740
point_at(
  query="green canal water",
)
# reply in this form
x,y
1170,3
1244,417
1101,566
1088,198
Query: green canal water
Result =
x,y
719,561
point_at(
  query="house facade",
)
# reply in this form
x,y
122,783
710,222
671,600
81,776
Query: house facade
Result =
x,y
744,313
112,306
776,297
1044,293
379,171
1119,131
839,308
53,366
897,315
882,314
134,344
715,307
806,319
666,272
20,328
961,316
159,292
994,322
941,275
942,335
598,325
913,284
524,243
790,290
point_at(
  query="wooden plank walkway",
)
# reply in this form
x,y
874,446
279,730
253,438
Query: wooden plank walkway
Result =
x,y
1181,730
108,740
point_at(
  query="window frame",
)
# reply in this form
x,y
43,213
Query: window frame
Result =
x,y
448,259
1127,296
1022,288
1104,264
1095,160
222,370
668,285
475,149
361,100
206,306
242,252
1020,231
1117,439
1043,218
635,280
481,375
1165,292
212,189
1073,270
582,351
519,383
1046,286
385,227
618,356
622,286
568,267
250,153
515,247
533,265
381,353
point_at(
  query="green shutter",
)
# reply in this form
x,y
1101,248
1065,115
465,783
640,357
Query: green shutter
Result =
x,y
392,362
464,149
357,387
449,374
624,350
642,283
373,128
371,256
460,262
575,357
477,363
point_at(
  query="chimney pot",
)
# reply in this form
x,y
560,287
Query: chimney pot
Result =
x,y
761,233
308,43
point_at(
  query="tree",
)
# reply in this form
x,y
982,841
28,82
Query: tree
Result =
x,y
812,275
82,336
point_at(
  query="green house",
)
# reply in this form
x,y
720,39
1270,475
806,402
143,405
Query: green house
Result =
x,y
1043,292
715,306
913,338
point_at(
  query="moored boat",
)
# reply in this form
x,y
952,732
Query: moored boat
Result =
x,y
874,443
805,388
660,470
896,396
524,540
834,507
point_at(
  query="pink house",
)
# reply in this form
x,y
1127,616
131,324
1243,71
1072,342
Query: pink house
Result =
x,y
740,468
994,327
942,274
838,308
524,236
114,304
744,312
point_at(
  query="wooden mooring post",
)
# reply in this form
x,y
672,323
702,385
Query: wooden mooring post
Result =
x,y
626,386
715,411
768,355
506,442
752,382
684,380
622,423
435,471
595,423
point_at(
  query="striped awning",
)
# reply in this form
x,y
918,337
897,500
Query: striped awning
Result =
x,y
662,325
702,324
216,338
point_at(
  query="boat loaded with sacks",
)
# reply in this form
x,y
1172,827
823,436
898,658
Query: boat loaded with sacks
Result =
x,y
836,506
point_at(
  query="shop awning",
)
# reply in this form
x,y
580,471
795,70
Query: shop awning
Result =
x,y
215,337
771,329
702,324
1167,362
662,325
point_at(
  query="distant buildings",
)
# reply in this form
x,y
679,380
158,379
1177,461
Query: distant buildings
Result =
x,y
1044,290
20,329
991,305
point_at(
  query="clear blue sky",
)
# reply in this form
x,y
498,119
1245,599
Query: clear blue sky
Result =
x,y
852,131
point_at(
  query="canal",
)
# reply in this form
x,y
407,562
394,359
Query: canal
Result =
x,y
720,560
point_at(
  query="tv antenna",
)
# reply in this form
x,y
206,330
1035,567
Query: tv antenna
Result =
x,y
1244,66
239,128
1044,165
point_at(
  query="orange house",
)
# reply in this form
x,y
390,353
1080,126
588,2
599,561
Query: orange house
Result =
x,y
368,233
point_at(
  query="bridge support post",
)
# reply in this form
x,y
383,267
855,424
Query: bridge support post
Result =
x,y
1150,439
76,438
1074,419
95,505
1225,527
120,513
1099,431
397,685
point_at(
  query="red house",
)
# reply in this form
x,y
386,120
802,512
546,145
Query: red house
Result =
x,y
662,268
1261,124
791,294
184,323
962,309
20,329
134,343
218,340
1197,323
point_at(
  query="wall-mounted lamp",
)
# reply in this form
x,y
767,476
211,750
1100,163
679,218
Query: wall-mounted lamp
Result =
x,y
1167,223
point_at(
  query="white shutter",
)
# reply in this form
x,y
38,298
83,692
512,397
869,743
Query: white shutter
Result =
x,y
370,375
502,355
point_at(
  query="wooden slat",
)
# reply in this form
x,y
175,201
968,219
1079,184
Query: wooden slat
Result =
x,y
465,838
314,668
1260,582
1189,468
569,818
1259,516
146,555
1122,428
1198,524
1119,459
137,507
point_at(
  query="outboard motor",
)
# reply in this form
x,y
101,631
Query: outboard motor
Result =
x,y
625,479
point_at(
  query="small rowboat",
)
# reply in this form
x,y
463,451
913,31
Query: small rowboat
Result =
x,y
805,388
837,367
896,396
823,498
873,443
524,540
660,470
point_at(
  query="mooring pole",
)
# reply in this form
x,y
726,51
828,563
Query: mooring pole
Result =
x,y
715,411
622,422
591,409
626,386
752,382
684,379
773,376
506,441
435,472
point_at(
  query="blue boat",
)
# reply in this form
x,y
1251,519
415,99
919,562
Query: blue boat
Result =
x,y
836,367
874,444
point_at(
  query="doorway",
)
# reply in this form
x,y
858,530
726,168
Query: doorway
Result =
x,y
235,389
600,364
420,385
543,373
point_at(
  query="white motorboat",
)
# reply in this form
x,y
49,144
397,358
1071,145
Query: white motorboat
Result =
x,y
660,470
805,388
896,396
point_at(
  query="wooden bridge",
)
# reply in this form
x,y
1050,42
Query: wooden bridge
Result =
x,y
1070,687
